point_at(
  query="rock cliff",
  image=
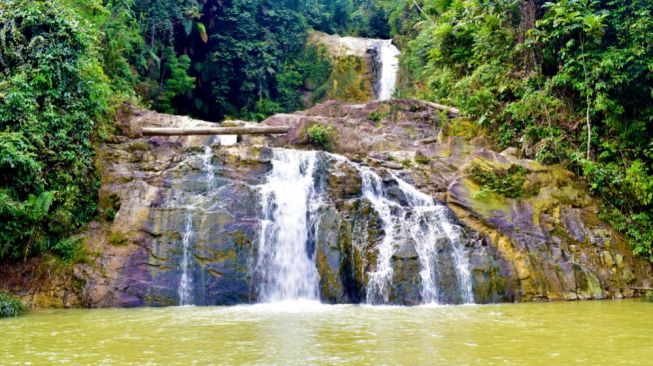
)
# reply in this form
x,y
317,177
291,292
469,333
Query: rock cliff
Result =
x,y
531,232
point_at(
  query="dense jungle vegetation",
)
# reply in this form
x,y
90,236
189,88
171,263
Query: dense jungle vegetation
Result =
x,y
67,67
567,81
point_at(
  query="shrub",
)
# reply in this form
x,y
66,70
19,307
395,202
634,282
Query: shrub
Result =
x,y
422,159
321,136
10,307
508,183
377,116
117,239
70,250
648,296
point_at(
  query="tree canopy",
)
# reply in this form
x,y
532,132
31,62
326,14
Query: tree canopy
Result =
x,y
567,81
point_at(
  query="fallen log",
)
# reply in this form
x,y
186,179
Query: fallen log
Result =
x,y
258,130
642,288
427,141
453,112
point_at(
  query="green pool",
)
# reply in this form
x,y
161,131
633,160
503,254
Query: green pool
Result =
x,y
584,333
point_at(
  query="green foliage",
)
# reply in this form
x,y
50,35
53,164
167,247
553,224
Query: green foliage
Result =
x,y
508,183
117,239
71,250
648,296
110,214
10,307
377,116
53,95
421,159
567,81
321,136
179,83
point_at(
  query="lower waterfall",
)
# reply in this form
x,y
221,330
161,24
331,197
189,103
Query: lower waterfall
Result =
x,y
426,223
285,267
185,288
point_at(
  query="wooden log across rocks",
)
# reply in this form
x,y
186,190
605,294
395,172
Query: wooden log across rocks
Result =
x,y
642,288
452,111
202,131
427,141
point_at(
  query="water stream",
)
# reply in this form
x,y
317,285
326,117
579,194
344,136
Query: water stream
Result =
x,y
185,289
388,56
285,267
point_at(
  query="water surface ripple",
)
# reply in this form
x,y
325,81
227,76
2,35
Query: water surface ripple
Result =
x,y
309,333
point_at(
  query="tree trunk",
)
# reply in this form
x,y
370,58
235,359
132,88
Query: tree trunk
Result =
x,y
453,112
197,131
589,130
587,99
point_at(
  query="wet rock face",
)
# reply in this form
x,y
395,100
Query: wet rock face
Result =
x,y
173,190
546,244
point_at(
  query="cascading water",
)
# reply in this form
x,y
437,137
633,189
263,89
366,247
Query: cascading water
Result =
x,y
285,268
426,223
388,57
380,280
185,289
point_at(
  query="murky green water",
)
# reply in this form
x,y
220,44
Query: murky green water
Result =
x,y
586,333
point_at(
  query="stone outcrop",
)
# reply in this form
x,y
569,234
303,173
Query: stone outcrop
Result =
x,y
547,244
353,68
544,241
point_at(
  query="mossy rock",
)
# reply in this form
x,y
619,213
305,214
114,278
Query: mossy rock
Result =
x,y
349,80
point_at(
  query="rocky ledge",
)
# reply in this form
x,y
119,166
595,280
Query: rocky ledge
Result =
x,y
531,232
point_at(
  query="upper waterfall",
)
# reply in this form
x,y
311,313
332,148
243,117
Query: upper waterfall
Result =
x,y
363,67
388,57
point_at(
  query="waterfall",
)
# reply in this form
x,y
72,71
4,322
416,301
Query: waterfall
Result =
x,y
228,140
380,280
185,289
388,57
427,224
285,266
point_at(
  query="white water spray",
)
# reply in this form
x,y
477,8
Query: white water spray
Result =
x,y
427,224
285,268
185,289
388,56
